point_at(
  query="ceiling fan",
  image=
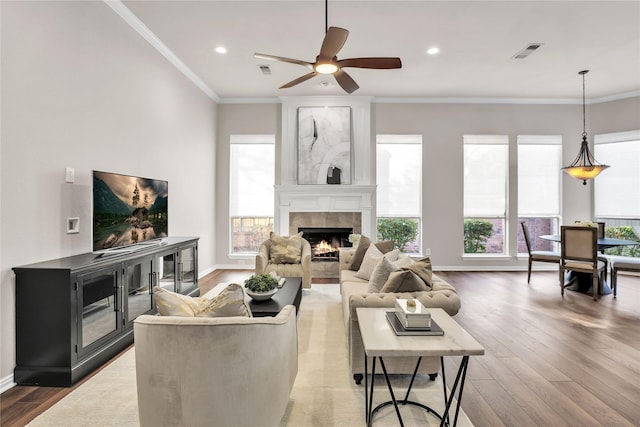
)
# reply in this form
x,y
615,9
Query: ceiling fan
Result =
x,y
328,63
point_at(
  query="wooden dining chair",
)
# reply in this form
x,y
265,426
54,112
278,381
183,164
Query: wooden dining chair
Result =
x,y
579,253
542,256
602,257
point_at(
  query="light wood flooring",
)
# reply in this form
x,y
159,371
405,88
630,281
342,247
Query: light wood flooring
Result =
x,y
550,361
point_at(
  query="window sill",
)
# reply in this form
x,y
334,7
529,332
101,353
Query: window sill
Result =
x,y
244,255
485,256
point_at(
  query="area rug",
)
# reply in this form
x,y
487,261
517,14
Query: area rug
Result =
x,y
324,393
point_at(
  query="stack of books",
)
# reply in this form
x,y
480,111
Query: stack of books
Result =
x,y
412,314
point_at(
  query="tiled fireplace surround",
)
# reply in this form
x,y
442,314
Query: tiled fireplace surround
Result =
x,y
331,206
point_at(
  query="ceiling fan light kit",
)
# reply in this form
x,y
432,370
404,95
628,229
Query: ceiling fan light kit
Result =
x,y
326,68
327,61
584,166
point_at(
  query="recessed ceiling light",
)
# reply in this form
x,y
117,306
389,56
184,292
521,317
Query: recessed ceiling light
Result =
x,y
433,50
221,49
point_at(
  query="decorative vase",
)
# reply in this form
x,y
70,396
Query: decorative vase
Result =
x,y
262,296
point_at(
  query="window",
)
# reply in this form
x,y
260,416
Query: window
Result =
x,y
399,191
539,178
251,192
617,189
485,193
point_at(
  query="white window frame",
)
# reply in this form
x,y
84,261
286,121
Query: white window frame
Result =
x,y
553,214
498,140
389,139
269,212
612,138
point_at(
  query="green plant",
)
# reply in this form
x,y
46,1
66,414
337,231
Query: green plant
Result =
x,y
476,233
400,230
261,283
625,233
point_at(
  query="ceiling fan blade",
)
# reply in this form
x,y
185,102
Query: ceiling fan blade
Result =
x,y
298,80
376,63
345,81
283,59
332,43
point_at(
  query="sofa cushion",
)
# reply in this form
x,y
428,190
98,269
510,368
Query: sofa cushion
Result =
x,y
286,250
229,302
381,273
404,281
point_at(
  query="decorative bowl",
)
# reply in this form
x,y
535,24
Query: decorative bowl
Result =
x,y
262,296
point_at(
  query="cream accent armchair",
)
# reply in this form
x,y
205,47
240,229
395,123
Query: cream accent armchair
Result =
x,y
302,269
223,371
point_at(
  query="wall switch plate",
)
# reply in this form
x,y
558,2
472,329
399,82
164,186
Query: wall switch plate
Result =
x,y
70,175
73,225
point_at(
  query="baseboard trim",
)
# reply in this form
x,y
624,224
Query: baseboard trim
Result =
x,y
7,383
497,268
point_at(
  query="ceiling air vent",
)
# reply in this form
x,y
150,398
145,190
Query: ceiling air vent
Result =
x,y
527,51
265,69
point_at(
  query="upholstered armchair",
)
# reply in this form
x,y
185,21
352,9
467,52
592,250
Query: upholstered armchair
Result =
x,y
222,371
287,256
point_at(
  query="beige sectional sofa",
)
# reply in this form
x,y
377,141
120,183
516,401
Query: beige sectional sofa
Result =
x,y
354,293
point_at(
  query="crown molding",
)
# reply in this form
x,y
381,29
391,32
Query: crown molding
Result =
x,y
452,100
135,23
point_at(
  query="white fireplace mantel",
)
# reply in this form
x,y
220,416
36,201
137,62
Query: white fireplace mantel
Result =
x,y
325,198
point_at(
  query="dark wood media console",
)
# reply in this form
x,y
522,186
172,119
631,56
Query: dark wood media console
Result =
x,y
73,314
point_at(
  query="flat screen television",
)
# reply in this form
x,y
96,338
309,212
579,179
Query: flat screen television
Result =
x,y
128,210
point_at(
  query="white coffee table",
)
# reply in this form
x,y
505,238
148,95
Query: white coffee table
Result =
x,y
380,341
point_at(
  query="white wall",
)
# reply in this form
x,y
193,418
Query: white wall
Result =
x,y
442,127
238,119
80,88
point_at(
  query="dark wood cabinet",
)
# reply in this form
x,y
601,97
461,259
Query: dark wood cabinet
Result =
x,y
73,314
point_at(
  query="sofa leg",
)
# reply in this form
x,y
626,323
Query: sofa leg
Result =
x,y
433,377
358,378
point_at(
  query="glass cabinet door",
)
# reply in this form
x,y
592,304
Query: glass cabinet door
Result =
x,y
138,289
188,269
165,271
98,308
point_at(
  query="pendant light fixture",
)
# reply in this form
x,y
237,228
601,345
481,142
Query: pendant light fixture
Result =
x,y
584,166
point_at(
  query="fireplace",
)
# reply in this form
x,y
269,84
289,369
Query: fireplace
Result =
x,y
326,242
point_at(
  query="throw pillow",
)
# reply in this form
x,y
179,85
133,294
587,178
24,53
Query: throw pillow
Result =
x,y
229,302
174,304
380,274
392,256
404,281
371,258
403,260
358,255
422,268
386,246
286,250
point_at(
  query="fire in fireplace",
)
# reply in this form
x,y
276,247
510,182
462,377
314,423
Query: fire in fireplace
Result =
x,y
326,241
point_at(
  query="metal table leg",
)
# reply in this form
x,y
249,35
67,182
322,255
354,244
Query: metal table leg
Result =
x,y
448,398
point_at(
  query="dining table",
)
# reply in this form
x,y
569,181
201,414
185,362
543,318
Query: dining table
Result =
x,y
581,282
